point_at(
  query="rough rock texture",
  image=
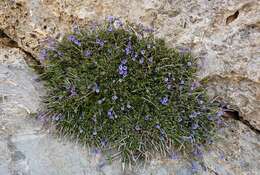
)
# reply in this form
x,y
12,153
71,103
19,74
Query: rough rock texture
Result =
x,y
224,34
26,147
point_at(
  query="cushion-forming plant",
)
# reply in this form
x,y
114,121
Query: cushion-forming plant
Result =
x,y
115,86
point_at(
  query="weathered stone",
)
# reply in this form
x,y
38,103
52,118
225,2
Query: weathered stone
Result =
x,y
27,148
223,34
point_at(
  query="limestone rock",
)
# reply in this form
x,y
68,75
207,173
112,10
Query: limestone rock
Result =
x,y
223,34
27,148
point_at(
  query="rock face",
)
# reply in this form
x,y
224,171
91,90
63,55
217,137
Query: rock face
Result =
x,y
26,148
223,34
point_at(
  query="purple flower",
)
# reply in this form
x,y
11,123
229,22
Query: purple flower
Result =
x,y
183,50
104,142
114,97
194,85
51,43
157,126
148,30
142,51
122,68
100,42
193,115
110,18
43,54
164,101
96,88
210,117
110,29
75,28
72,90
137,128
194,126
128,49
134,56
57,117
220,113
73,39
147,117
87,53
110,113
118,23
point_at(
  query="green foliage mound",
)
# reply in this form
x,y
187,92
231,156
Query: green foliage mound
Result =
x,y
115,86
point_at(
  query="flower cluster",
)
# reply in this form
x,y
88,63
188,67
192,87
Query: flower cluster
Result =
x,y
74,40
114,85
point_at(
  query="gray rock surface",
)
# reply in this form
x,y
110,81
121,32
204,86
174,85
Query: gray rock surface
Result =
x,y
27,148
223,34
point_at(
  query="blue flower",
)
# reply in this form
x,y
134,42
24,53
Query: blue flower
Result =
x,y
110,18
110,113
110,28
193,115
194,126
87,53
114,97
134,56
164,101
220,113
57,117
72,90
123,61
128,49
100,42
142,51
43,54
182,82
73,39
147,117
210,117
104,142
122,68
137,128
118,23
194,85
96,88
157,126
